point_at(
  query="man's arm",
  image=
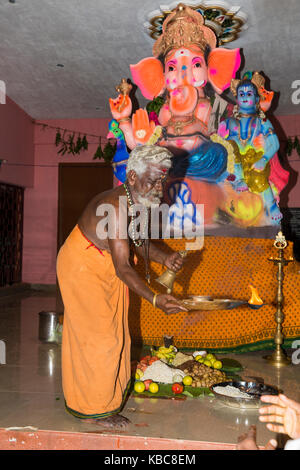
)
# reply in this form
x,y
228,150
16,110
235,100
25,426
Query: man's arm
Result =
x,y
119,249
155,254
173,261
120,255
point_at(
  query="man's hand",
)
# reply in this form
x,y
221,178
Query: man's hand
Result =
x,y
285,413
174,262
168,304
247,441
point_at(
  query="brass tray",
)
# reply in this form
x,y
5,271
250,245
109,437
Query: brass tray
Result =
x,y
197,302
254,389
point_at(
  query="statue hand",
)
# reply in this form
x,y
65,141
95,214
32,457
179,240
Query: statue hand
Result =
x,y
260,165
120,107
141,127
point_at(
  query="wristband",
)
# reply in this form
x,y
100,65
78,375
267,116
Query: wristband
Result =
x,y
154,300
123,120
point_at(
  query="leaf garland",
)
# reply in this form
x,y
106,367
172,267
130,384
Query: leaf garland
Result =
x,y
155,105
292,144
99,153
72,146
106,154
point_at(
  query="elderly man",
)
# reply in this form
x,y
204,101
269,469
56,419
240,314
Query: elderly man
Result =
x,y
94,274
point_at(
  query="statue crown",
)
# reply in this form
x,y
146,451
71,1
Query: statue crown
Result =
x,y
184,27
256,78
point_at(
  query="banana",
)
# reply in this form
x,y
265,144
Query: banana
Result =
x,y
165,354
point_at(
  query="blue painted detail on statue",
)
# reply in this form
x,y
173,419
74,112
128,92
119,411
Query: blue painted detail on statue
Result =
x,y
207,163
182,207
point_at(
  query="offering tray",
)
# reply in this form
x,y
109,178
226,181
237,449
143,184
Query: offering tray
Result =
x,y
197,302
254,389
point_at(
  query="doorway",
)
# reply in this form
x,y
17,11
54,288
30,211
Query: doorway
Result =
x,y
78,184
11,233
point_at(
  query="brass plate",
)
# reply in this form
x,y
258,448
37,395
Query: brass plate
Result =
x,y
197,302
254,389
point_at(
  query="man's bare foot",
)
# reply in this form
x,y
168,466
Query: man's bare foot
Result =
x,y
117,422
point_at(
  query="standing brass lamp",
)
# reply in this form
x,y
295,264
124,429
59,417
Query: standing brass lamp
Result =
x,y
167,279
278,358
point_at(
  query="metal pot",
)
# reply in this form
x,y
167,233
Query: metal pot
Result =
x,y
48,327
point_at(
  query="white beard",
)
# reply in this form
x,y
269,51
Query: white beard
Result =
x,y
148,202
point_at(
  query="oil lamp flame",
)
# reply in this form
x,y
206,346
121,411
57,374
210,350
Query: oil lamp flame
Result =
x,y
255,300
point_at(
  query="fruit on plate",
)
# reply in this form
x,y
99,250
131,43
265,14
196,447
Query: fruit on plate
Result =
x,y
146,362
199,358
153,387
177,388
209,356
202,375
207,363
210,360
139,374
147,383
187,380
217,365
139,387
165,354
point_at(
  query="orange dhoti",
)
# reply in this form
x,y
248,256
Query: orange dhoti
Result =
x,y
96,340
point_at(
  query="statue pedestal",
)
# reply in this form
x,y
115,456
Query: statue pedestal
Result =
x,y
224,268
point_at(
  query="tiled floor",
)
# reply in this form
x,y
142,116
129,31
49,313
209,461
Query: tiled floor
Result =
x,y
31,392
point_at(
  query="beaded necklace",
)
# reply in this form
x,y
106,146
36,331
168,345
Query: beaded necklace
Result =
x,y
245,141
138,243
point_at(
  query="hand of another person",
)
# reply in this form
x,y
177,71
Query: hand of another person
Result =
x,y
285,413
247,441
174,262
169,304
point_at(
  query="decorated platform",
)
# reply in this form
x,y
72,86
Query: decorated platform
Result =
x,y
224,268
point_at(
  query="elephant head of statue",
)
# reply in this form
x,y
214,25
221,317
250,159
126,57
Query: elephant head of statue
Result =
x,y
186,62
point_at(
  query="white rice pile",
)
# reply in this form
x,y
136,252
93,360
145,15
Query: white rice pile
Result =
x,y
160,372
231,391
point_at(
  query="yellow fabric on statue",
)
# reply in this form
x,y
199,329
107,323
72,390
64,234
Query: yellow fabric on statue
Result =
x,y
96,340
223,269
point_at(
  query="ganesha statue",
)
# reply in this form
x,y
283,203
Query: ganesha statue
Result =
x,y
189,73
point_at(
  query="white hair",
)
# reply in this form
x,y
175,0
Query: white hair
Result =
x,y
144,155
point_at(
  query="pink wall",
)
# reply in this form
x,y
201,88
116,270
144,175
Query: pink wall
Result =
x,y
16,137
40,226
32,163
41,202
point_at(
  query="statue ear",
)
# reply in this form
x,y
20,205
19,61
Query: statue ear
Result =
x,y
148,75
222,67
